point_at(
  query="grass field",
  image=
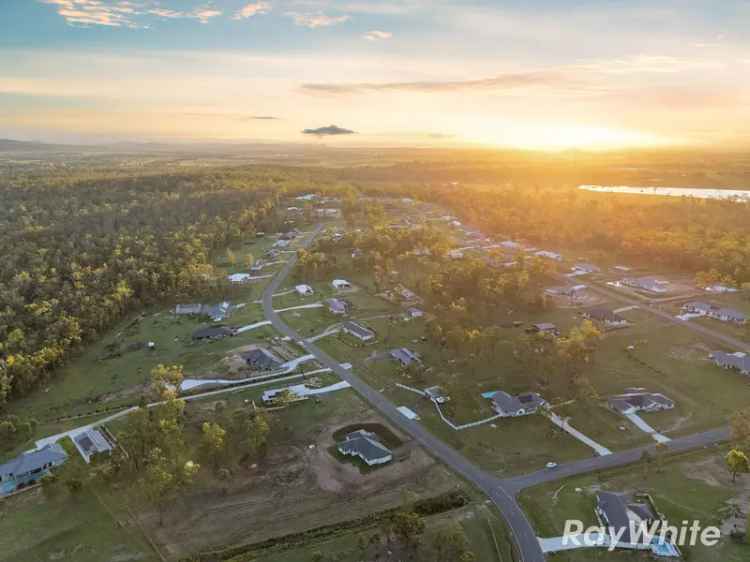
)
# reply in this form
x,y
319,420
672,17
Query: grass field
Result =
x,y
688,487
86,527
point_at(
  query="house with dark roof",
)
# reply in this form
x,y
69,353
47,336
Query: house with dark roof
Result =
x,y
436,394
213,333
404,356
571,291
507,405
544,328
29,468
639,401
717,313
261,359
625,513
738,361
605,317
357,330
366,446
337,306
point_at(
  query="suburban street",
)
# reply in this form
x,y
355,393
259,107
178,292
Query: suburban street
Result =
x,y
502,492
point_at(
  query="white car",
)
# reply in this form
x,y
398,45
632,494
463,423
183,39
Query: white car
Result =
x,y
551,465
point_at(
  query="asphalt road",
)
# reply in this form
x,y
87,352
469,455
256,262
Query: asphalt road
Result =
x,y
502,492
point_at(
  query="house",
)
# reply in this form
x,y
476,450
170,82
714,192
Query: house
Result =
x,y
366,446
544,328
639,401
29,468
92,443
720,289
404,356
715,312
548,255
331,213
648,284
337,306
341,284
524,404
436,394
188,309
260,359
585,268
217,312
738,361
357,330
213,333
407,295
239,278
623,513
304,290
697,307
728,315
413,312
572,291
510,245
605,317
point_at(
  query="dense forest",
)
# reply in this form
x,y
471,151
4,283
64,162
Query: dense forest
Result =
x,y
80,254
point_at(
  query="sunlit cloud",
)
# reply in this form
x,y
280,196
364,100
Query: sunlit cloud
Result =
x,y
504,81
124,13
252,9
314,21
96,12
377,35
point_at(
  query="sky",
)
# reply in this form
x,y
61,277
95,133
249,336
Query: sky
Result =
x,y
539,74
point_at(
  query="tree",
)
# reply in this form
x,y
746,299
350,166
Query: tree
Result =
x,y
213,441
164,478
737,463
166,380
407,526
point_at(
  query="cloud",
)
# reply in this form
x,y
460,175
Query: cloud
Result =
x,y
503,81
330,130
314,21
96,12
377,35
252,9
124,13
232,116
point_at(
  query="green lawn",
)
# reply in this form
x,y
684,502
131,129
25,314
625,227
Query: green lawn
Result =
x,y
80,528
688,487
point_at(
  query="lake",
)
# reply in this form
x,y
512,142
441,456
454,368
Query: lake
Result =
x,y
698,193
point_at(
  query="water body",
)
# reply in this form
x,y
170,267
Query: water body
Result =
x,y
698,193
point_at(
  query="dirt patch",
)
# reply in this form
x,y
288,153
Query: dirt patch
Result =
x,y
297,487
713,472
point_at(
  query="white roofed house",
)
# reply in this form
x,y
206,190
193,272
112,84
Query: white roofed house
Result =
x,y
304,290
548,255
341,284
717,313
648,284
188,309
239,278
584,268
92,443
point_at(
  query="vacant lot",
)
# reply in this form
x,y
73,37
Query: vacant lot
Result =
x,y
298,486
